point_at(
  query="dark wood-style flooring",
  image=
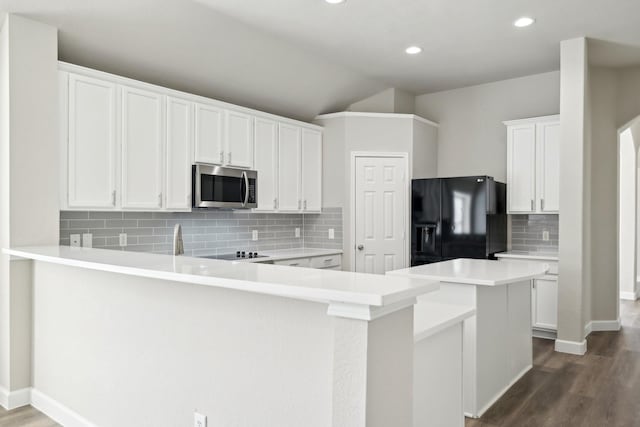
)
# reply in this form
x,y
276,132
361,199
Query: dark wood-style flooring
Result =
x,y
599,389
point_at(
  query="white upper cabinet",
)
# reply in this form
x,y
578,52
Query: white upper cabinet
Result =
x,y
239,139
548,145
289,168
178,158
209,147
533,165
91,143
142,149
311,170
266,152
129,145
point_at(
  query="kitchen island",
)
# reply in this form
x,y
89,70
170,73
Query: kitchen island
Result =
x,y
243,343
497,346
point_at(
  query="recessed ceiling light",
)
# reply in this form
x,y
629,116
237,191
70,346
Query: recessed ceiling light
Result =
x,y
335,1
413,50
525,21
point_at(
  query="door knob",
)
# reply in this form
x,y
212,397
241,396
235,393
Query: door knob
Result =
x,y
360,247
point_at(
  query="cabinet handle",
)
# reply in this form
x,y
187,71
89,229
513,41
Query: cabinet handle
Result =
x,y
533,205
299,204
113,197
305,205
221,157
160,200
542,204
275,203
229,157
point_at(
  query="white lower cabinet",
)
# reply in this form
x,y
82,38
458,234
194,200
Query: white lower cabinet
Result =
x,y
544,303
297,262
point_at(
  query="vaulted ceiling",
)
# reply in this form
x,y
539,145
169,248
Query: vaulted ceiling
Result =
x,y
300,58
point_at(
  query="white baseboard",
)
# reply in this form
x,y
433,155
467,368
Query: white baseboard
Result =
x,y
541,333
57,411
628,296
14,399
571,347
605,325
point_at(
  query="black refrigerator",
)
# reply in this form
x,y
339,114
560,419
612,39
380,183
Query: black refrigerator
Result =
x,y
462,217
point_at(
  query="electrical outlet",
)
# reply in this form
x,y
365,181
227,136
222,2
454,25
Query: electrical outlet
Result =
x,y
332,234
254,235
297,232
123,239
74,240
545,235
199,420
87,240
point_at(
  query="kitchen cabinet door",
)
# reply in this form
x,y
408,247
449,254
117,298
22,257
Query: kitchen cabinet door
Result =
x,y
239,138
311,170
521,170
266,152
92,154
289,168
548,173
142,149
544,301
209,146
178,159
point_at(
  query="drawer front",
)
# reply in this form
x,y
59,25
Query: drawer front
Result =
x,y
298,262
326,261
553,265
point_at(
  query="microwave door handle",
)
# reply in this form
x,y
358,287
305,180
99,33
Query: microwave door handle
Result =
x,y
246,188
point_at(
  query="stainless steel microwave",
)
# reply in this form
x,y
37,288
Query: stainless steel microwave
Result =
x,y
220,187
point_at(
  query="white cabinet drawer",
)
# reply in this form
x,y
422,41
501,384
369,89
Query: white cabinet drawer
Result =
x,y
299,262
326,261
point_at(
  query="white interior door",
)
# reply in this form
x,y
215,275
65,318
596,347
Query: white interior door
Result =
x,y
380,214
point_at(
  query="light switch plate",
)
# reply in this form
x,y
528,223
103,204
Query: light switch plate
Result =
x,y
254,235
199,420
87,240
74,240
332,234
123,239
297,232
545,235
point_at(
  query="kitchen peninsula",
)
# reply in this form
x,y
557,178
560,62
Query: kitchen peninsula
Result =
x,y
297,346
497,339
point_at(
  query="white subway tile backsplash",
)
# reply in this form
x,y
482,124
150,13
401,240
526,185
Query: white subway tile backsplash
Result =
x,y
527,231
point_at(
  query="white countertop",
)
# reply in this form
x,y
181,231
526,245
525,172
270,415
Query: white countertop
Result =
x,y
278,255
306,284
476,271
541,256
430,317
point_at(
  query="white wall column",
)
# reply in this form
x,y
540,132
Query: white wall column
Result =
x,y
573,248
628,215
29,210
373,368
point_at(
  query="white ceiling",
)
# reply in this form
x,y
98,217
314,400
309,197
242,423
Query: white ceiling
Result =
x,y
187,46
300,58
464,42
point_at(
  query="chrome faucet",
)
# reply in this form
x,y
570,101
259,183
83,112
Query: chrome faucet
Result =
x,y
178,244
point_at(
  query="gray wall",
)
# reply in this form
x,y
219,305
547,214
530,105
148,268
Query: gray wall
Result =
x,y
204,233
472,139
